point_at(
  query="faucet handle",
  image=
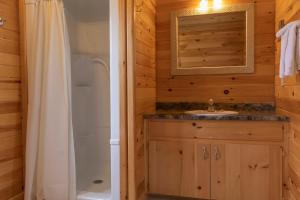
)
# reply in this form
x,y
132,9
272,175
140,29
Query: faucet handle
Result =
x,y
211,102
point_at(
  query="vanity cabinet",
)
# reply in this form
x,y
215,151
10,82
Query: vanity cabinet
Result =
x,y
222,160
172,165
246,172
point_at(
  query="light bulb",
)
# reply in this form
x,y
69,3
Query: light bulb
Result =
x,y
218,4
203,6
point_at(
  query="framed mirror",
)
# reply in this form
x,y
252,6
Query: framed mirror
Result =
x,y
213,41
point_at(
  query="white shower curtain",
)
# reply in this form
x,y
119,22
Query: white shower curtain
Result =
x,y
50,157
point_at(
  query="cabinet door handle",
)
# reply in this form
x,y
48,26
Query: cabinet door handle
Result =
x,y
2,21
205,153
217,154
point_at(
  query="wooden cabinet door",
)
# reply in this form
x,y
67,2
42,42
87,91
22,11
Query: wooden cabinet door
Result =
x,y
172,168
246,172
203,159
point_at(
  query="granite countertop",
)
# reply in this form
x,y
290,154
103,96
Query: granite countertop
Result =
x,y
247,112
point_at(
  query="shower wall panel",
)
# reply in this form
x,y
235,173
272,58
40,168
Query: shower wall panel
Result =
x,y
89,40
87,32
90,99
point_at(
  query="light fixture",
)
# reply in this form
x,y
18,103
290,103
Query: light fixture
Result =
x,y
203,6
217,4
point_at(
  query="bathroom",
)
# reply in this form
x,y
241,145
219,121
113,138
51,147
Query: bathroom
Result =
x,y
149,99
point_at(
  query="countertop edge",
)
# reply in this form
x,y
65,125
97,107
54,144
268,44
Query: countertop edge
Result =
x,y
240,117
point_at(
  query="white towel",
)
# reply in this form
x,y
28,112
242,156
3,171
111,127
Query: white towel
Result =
x,y
290,49
284,34
298,49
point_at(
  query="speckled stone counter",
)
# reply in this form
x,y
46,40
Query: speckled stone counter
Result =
x,y
183,106
247,112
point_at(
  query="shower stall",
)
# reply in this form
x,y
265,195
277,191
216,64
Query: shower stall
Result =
x,y
76,101
88,27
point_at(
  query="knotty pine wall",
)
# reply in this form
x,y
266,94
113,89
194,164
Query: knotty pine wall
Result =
x,y
11,164
248,88
145,82
288,102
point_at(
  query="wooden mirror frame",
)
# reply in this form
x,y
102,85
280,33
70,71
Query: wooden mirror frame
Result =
x,y
249,65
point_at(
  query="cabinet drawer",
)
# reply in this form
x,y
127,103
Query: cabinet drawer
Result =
x,y
223,130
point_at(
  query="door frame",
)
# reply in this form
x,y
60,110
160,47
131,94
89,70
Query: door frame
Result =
x,y
118,94
130,56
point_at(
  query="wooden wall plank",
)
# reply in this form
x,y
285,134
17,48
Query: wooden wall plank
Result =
x,y
11,147
189,88
288,102
144,86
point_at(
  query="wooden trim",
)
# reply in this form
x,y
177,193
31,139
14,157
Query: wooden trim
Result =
x,y
123,103
24,81
147,139
131,98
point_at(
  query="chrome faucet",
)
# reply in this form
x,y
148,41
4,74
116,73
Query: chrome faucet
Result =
x,y
211,105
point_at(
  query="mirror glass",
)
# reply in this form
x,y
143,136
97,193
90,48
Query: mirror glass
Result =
x,y
213,43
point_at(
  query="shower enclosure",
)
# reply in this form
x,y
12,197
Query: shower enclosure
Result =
x,y
88,27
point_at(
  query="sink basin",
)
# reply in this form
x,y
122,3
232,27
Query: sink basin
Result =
x,y
215,113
